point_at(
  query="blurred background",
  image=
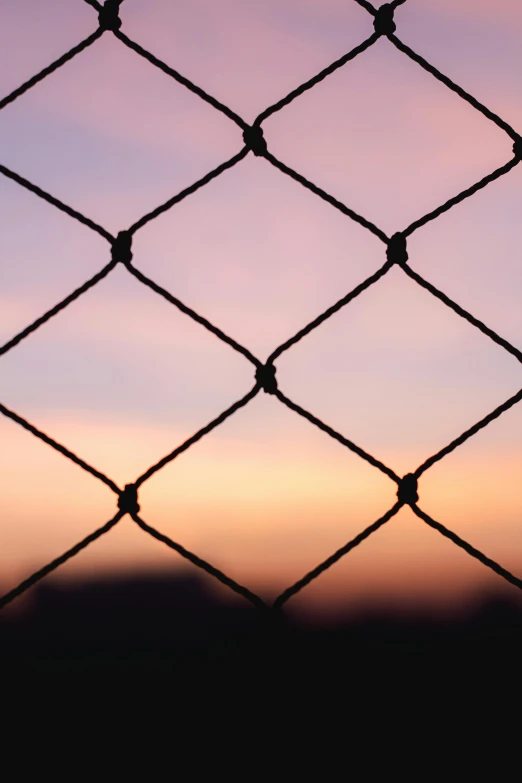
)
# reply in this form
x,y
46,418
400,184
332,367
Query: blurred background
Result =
x,y
122,378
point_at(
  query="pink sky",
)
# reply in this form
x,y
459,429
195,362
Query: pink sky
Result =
x,y
122,378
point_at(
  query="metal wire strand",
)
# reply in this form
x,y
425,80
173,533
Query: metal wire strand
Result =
x,y
385,25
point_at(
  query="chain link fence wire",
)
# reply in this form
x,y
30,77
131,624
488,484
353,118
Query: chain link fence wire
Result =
x,y
396,253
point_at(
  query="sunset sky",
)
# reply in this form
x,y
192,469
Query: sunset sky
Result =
x,y
121,377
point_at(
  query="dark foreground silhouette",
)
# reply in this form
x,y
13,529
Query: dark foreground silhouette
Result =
x,y
177,638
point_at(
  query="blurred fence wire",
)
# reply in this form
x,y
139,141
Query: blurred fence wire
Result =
x,y
396,254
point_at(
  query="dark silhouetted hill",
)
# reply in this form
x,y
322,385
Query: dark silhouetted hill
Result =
x,y
176,637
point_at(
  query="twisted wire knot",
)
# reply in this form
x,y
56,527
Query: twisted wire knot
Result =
x,y
383,23
254,140
265,376
128,500
121,248
517,148
108,15
407,491
396,252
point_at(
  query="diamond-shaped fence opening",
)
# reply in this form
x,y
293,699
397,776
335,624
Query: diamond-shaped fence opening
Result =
x,y
94,119
413,131
30,284
268,268
264,373
227,498
412,364
127,355
469,254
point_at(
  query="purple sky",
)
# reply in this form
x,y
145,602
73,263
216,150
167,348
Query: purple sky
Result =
x,y
122,378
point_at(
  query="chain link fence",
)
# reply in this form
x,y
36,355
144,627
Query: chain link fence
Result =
x,y
395,251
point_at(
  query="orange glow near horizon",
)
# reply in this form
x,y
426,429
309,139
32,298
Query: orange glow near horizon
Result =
x,y
122,378
265,515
